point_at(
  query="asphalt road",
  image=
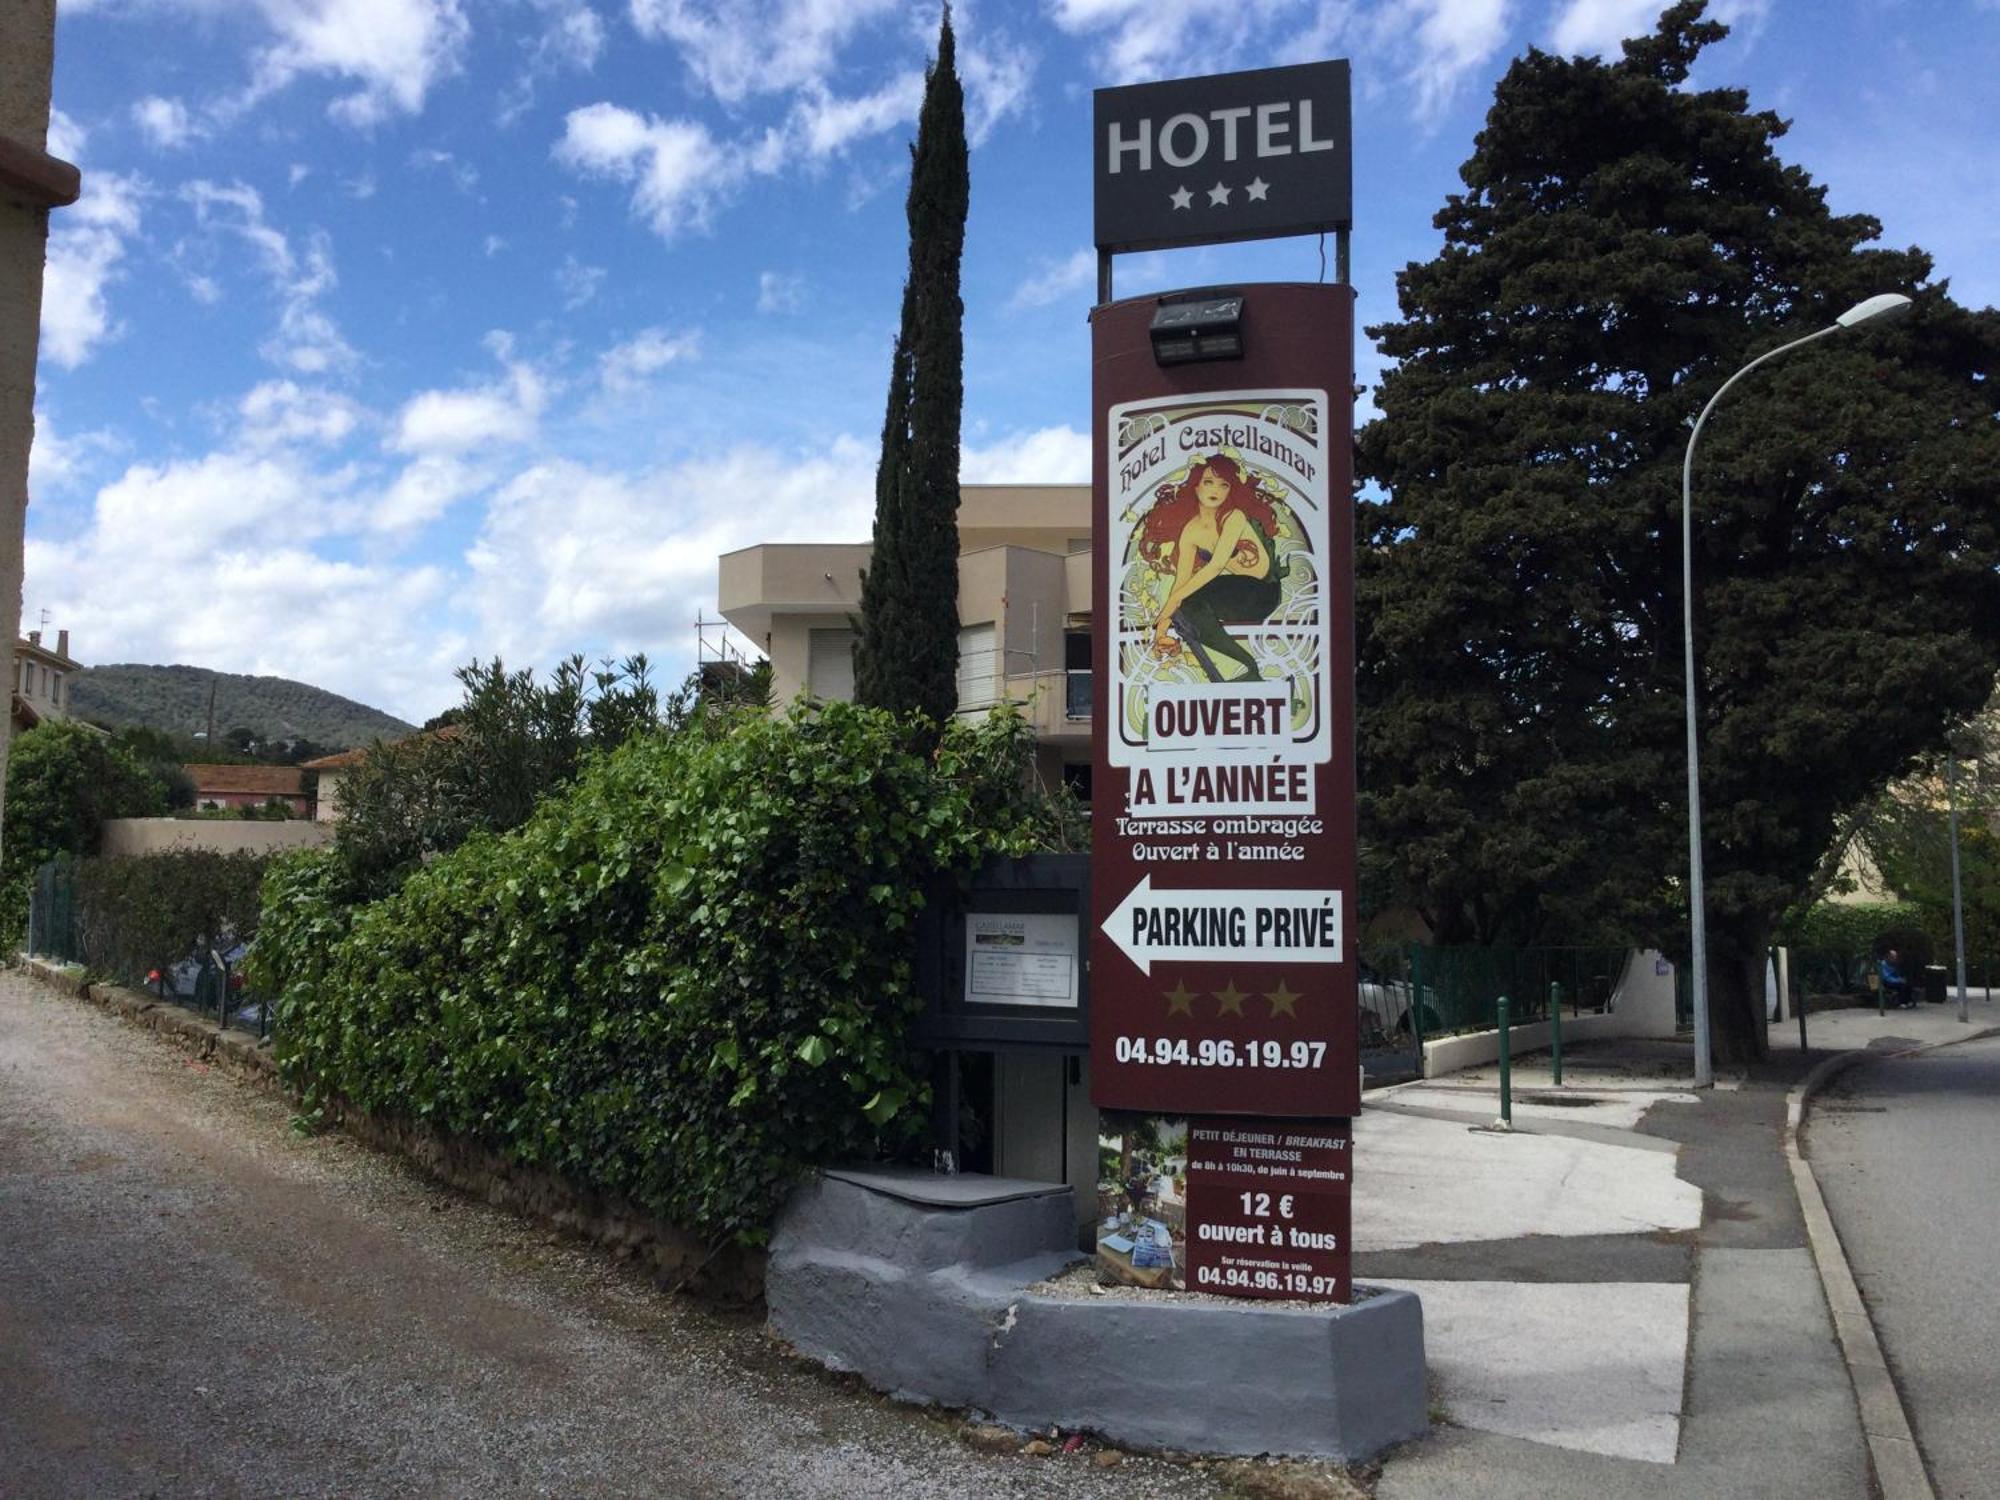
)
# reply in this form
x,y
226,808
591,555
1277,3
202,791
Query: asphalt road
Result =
x,y
196,1301
1907,1151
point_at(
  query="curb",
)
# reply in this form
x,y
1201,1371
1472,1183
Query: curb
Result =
x,y
248,1057
1892,1445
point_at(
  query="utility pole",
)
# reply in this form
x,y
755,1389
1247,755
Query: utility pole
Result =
x,y
211,714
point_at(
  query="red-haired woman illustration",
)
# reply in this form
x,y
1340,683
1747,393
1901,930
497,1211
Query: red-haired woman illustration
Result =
x,y
1220,532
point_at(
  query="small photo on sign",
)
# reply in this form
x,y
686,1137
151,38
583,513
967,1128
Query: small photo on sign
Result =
x,y
1142,1201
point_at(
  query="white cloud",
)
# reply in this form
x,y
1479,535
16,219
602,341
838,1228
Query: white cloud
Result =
x,y
577,282
85,249
823,124
66,137
737,48
395,51
571,554
281,413
494,245
1450,39
627,365
678,171
1599,26
164,122
153,516
572,40
997,77
426,488
1057,280
463,174
1050,455
472,417
1173,38
780,292
58,461
307,339
261,603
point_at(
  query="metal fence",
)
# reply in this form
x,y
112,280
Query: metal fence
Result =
x,y
53,931
1456,989
208,979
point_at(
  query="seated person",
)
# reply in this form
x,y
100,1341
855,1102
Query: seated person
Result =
x,y
1894,986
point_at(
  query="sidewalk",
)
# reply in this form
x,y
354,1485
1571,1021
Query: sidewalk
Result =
x,y
1618,1297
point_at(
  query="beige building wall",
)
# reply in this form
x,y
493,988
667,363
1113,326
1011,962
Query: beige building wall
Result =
x,y
31,182
224,835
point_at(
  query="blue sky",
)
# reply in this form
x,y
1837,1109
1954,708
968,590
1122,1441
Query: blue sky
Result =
x,y
392,332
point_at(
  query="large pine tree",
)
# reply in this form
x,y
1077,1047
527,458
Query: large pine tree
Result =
x,y
906,656
1624,244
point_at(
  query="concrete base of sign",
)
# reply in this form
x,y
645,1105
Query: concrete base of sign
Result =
x,y
922,1289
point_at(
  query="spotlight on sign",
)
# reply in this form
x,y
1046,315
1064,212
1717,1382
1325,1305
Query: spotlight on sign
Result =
x,y
1193,326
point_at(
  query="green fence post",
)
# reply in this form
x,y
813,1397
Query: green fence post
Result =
x,y
1417,1004
1556,1032
1506,1069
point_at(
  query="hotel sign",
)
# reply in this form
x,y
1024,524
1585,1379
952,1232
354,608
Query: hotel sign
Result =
x,y
1233,156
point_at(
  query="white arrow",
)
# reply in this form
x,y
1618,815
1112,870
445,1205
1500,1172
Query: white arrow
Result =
x,y
1294,926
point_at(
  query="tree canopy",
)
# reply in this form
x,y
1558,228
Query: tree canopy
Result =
x,y
906,655
1623,245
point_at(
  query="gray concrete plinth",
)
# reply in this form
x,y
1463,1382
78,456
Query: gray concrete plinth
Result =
x,y
929,1301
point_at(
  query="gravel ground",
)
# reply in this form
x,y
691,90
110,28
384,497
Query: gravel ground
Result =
x,y
197,1301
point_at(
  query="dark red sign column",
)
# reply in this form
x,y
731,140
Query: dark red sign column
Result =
x,y
1222,973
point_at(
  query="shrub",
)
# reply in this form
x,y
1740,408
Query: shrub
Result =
x,y
63,780
149,911
681,982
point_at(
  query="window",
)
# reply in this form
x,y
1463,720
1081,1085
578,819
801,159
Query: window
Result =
x,y
978,666
830,664
1076,682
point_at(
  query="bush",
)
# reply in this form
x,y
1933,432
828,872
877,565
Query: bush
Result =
x,y
63,780
141,912
683,981
1845,939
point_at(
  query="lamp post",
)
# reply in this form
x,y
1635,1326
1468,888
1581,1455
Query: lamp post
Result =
x,y
1875,307
1957,898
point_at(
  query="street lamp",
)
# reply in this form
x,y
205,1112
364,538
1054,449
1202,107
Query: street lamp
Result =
x,y
1887,303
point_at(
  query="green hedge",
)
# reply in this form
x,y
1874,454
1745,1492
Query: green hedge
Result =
x,y
683,981
142,912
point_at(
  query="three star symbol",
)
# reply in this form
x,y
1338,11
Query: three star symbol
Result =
x,y
1229,1000
1256,190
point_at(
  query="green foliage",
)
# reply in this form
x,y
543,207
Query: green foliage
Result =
x,y
510,742
1918,867
683,980
1623,245
276,710
144,912
63,780
906,653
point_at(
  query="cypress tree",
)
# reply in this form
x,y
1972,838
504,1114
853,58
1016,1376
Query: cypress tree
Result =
x,y
906,654
1623,245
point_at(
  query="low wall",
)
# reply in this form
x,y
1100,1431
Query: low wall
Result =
x,y
1642,1005
677,1259
938,1290
224,835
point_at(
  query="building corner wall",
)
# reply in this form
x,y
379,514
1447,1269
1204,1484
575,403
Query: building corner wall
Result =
x,y
27,64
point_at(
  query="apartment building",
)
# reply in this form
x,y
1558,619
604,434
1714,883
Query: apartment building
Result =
x,y
1024,610
42,677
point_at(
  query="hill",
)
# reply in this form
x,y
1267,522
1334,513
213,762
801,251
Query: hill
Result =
x,y
175,699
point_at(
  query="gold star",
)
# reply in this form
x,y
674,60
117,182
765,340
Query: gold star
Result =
x,y
1282,1000
1181,1001
1231,1000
